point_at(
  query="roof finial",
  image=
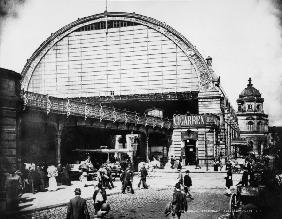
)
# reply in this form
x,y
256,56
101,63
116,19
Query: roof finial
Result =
x,y
250,82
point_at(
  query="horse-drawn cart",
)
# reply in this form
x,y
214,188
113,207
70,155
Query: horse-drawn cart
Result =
x,y
246,201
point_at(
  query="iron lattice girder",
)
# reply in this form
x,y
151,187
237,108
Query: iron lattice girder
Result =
x,y
97,111
189,95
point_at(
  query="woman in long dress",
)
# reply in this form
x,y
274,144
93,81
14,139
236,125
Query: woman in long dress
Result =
x,y
52,173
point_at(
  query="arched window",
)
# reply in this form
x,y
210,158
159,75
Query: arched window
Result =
x,y
250,107
250,125
259,108
259,126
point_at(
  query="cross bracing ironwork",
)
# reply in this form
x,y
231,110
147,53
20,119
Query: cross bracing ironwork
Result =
x,y
68,107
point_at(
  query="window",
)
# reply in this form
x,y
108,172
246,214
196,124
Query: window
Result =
x,y
250,126
260,126
259,107
239,108
250,107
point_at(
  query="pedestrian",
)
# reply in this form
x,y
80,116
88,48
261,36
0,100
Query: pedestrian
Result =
x,y
25,181
228,181
41,179
83,179
180,177
66,176
143,176
179,202
52,174
102,175
245,178
197,164
127,180
109,180
172,161
215,165
99,197
179,166
13,186
60,173
187,183
228,165
77,207
31,178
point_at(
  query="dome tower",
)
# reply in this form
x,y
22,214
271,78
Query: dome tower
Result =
x,y
253,122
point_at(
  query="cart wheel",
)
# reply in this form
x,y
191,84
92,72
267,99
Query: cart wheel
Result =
x,y
234,206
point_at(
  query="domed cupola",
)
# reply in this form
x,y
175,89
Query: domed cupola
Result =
x,y
250,91
253,122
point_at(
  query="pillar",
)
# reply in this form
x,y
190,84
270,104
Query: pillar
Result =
x,y
9,108
147,147
59,130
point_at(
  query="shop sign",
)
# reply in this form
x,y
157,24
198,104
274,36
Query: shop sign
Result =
x,y
194,120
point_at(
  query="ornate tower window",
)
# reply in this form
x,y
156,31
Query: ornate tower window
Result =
x,y
250,107
261,126
259,108
250,126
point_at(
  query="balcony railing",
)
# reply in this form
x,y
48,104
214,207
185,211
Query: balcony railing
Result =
x,y
97,111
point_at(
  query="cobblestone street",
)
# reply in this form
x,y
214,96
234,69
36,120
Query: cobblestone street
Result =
x,y
207,203
208,191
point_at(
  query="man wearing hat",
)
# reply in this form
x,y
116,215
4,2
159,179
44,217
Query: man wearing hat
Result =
x,y
179,202
77,207
187,182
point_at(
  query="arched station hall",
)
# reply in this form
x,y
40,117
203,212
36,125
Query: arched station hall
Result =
x,y
132,63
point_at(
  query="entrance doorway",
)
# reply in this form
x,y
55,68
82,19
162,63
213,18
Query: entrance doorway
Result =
x,y
190,152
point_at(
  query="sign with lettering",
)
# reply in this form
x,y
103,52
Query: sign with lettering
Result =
x,y
195,120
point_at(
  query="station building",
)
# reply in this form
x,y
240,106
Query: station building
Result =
x,y
132,62
124,62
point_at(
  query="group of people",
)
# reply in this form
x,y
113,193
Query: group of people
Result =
x,y
181,192
34,178
104,176
77,206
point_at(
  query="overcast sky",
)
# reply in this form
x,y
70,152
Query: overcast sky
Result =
x,y
242,36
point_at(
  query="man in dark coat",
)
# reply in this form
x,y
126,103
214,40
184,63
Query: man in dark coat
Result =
x,y
179,201
127,180
143,175
99,197
187,182
77,207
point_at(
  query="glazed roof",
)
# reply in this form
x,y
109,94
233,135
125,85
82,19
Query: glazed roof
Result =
x,y
250,91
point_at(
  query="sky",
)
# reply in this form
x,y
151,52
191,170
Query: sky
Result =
x,y
244,37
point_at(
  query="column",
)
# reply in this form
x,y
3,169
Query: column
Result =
x,y
58,141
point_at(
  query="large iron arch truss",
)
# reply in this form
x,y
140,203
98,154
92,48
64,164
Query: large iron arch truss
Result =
x,y
205,74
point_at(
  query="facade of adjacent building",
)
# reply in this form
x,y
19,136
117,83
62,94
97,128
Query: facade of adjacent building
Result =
x,y
253,122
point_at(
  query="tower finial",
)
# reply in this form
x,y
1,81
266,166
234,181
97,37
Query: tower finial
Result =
x,y
250,82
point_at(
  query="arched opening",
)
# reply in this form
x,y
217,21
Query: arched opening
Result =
x,y
250,126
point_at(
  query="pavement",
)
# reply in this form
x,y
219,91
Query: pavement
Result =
x,y
193,169
159,179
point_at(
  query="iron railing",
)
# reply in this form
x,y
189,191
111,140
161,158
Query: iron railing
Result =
x,y
68,107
